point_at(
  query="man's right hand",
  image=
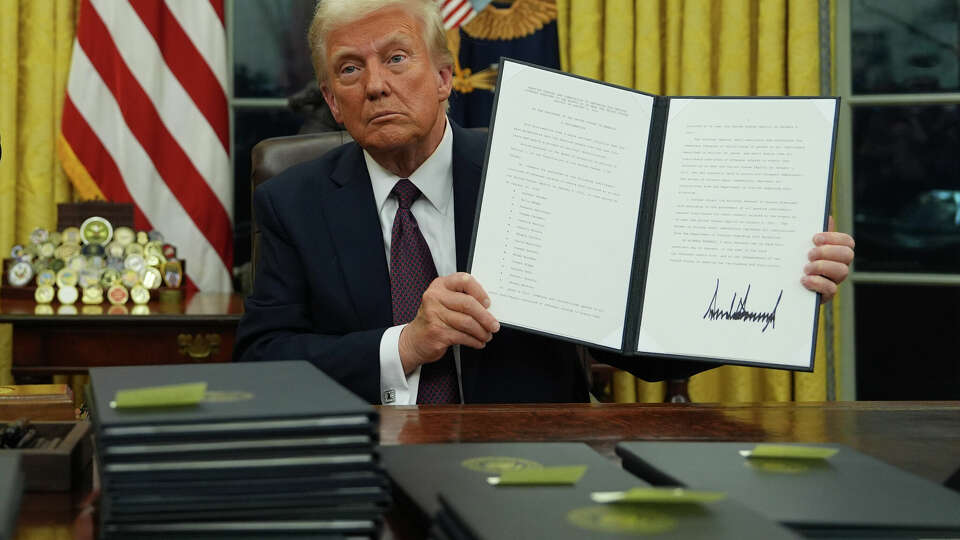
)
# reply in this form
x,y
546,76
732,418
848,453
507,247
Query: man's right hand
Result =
x,y
453,311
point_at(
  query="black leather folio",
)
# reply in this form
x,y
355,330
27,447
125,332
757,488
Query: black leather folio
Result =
x,y
11,491
847,495
447,483
245,400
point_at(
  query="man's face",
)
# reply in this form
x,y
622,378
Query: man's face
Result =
x,y
382,83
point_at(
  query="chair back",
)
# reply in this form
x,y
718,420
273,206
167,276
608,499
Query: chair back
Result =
x,y
272,156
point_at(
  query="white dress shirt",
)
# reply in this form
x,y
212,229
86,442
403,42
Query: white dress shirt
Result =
x,y
433,211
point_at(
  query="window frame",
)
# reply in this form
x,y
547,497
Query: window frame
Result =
x,y
844,205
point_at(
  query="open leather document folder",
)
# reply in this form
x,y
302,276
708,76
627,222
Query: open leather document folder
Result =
x,y
849,493
651,225
267,450
11,491
449,485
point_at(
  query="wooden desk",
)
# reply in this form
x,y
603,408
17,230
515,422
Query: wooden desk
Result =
x,y
199,328
920,437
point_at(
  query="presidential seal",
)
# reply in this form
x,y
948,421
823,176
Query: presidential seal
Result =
x,y
622,519
499,464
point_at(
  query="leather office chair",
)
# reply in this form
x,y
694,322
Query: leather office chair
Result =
x,y
273,156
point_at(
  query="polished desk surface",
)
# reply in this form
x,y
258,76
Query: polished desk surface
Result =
x,y
215,307
920,437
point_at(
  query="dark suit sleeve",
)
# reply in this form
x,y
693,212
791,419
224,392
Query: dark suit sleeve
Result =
x,y
651,368
281,322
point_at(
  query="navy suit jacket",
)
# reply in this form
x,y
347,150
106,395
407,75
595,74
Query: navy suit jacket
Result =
x,y
322,289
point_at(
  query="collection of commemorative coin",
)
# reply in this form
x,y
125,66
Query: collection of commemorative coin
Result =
x,y
95,262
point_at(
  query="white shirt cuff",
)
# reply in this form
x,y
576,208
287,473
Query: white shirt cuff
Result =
x,y
396,388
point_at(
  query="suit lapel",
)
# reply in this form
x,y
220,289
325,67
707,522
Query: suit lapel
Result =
x,y
466,185
354,225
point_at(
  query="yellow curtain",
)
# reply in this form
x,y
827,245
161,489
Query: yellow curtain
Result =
x,y
704,47
36,37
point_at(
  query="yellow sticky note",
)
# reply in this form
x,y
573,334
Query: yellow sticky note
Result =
x,y
161,396
788,451
658,495
546,476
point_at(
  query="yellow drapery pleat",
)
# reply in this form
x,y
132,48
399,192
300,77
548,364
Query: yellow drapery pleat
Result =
x,y
704,47
36,37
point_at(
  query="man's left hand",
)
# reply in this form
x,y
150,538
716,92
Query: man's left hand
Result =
x,y
829,262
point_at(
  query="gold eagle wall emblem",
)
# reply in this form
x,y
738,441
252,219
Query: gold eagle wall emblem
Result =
x,y
520,19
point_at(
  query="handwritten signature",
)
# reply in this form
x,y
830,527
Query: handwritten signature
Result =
x,y
741,313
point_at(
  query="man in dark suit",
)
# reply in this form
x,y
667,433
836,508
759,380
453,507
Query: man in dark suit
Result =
x,y
352,241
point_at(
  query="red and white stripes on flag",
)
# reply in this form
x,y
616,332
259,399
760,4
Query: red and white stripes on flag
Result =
x,y
459,12
145,120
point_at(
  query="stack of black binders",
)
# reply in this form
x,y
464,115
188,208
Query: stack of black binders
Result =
x,y
273,450
11,490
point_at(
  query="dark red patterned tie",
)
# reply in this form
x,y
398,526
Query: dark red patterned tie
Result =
x,y
411,271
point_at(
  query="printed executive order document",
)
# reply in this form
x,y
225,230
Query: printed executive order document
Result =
x,y
666,226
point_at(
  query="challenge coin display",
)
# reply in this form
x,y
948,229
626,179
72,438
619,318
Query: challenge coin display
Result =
x,y
124,236
173,274
67,251
39,236
154,248
129,278
44,294
151,278
46,278
92,295
115,249
20,274
46,249
96,230
135,263
77,263
93,250
109,277
40,264
87,277
68,295
140,294
66,278
71,235
133,249
118,295
98,261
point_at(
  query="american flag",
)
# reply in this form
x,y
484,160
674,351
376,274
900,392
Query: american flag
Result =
x,y
145,121
459,12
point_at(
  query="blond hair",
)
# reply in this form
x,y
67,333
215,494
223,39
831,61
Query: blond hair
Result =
x,y
331,15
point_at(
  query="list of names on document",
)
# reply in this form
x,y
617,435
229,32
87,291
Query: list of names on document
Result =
x,y
561,192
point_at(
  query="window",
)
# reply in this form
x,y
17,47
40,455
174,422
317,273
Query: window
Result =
x,y
269,62
897,72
